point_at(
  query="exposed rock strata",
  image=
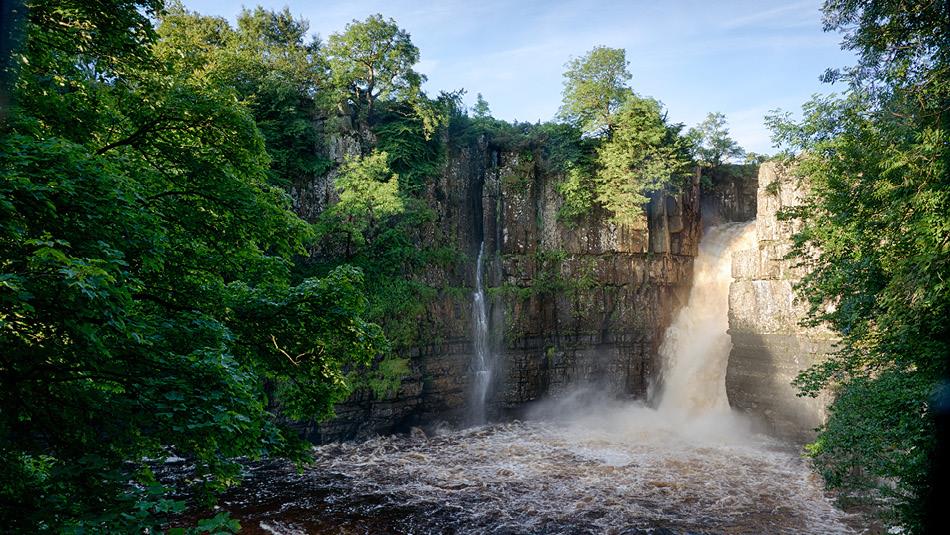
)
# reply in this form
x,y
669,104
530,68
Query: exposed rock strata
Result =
x,y
769,346
569,304
729,193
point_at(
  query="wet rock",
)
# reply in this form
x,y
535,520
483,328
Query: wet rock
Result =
x,y
586,302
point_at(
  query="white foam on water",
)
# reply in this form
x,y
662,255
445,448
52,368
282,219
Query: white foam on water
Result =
x,y
592,465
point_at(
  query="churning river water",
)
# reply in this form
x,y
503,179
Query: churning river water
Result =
x,y
583,464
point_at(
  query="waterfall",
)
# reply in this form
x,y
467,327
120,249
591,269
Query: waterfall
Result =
x,y
696,347
481,357
590,465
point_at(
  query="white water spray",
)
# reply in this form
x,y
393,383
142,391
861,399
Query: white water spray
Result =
x,y
696,346
481,358
596,465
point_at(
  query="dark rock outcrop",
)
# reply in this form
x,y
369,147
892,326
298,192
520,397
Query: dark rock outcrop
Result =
x,y
729,193
570,304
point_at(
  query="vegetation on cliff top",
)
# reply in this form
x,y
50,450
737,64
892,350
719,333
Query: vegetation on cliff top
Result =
x,y
636,152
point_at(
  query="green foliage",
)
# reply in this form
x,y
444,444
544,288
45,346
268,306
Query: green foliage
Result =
x,y
595,88
875,445
369,196
375,226
643,155
372,60
711,144
481,109
275,73
874,236
578,193
148,307
636,151
413,153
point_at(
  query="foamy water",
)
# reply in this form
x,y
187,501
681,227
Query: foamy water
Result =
x,y
696,346
589,476
583,464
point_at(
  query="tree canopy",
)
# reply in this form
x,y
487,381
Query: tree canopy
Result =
x,y
148,303
373,60
481,109
712,145
876,237
644,155
636,152
595,88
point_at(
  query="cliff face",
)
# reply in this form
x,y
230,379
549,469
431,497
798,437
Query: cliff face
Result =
x,y
769,346
568,303
729,193
584,303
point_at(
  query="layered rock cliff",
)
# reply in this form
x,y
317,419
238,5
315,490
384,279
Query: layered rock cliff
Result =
x,y
770,347
729,193
574,303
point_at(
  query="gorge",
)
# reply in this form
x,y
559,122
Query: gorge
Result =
x,y
581,461
584,304
254,279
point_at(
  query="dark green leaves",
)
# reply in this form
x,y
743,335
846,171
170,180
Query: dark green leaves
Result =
x,y
148,307
875,237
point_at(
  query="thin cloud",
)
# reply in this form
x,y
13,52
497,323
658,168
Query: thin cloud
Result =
x,y
793,15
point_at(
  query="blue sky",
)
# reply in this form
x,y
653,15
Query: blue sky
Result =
x,y
742,58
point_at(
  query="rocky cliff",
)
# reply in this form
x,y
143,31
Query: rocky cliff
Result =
x,y
569,303
729,193
769,345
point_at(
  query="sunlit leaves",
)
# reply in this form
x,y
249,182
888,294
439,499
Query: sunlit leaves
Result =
x,y
595,87
145,273
875,238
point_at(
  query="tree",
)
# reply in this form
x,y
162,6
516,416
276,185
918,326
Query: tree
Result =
x,y
712,145
147,307
481,109
595,87
373,60
643,155
636,152
276,72
369,193
874,235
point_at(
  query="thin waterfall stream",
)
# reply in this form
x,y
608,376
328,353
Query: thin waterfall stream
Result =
x,y
482,361
582,464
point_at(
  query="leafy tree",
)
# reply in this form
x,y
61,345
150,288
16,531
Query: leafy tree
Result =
x,y
373,60
595,88
874,235
277,74
635,153
273,28
286,83
369,193
712,145
643,155
148,307
481,109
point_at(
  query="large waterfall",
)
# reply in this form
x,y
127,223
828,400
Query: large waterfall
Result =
x,y
696,346
586,464
482,360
